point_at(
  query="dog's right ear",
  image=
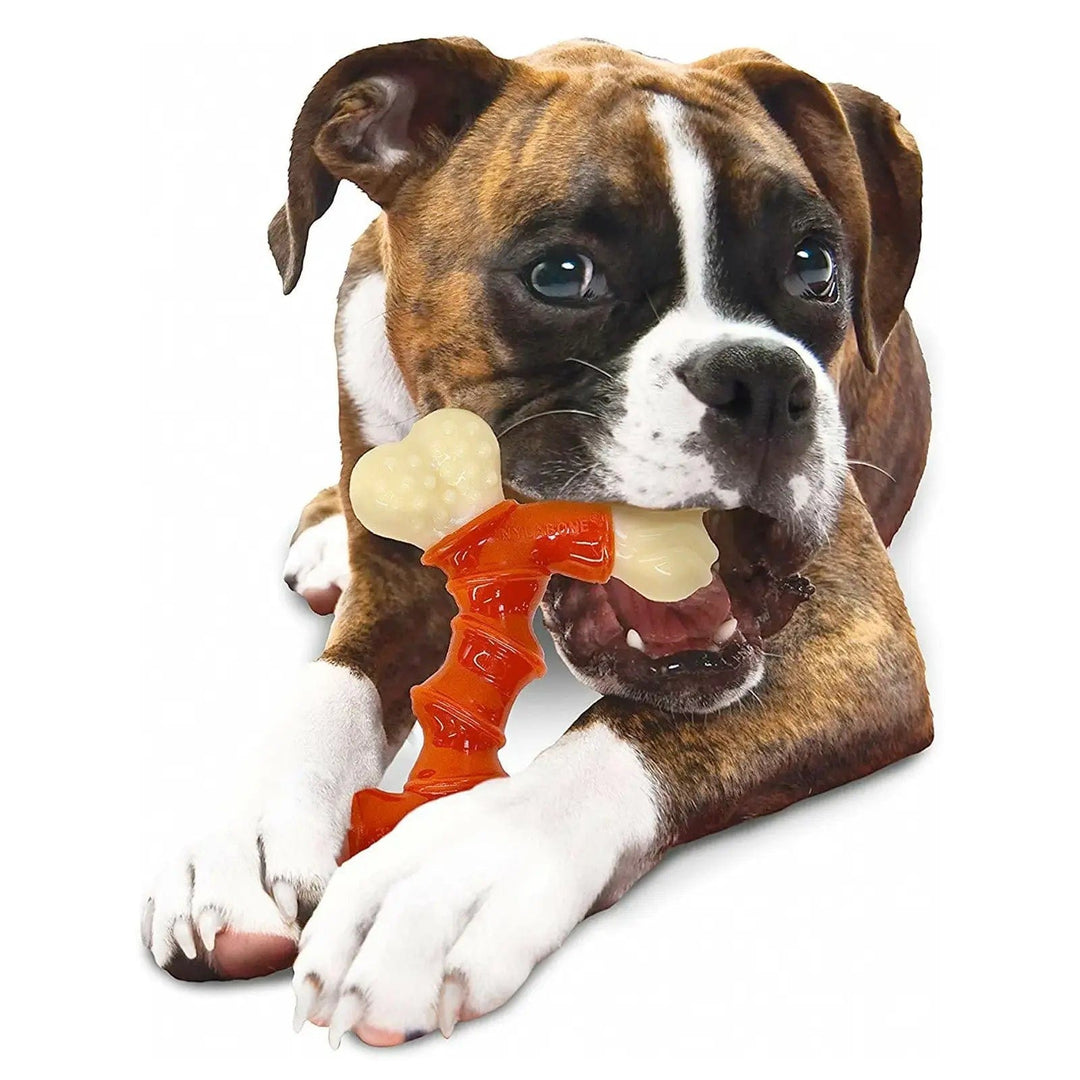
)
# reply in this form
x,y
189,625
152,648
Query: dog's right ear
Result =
x,y
376,118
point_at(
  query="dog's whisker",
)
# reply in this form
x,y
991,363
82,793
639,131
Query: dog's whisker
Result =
x,y
590,468
546,412
653,306
871,465
585,363
573,476
374,318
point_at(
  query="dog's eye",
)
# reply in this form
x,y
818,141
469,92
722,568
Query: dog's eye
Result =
x,y
566,278
812,274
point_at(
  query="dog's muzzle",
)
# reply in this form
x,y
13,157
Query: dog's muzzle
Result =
x,y
760,403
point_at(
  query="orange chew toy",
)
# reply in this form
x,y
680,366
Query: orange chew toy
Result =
x,y
497,567
440,489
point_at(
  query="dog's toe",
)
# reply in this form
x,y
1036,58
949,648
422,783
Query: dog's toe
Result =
x,y
377,1036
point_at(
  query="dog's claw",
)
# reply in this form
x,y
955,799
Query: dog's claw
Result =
x,y
147,922
184,937
448,1010
307,994
161,948
284,894
346,1016
209,924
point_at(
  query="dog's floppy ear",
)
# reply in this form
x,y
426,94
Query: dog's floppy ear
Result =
x,y
376,118
867,165
892,172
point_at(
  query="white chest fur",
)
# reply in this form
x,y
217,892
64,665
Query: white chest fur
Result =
x,y
367,369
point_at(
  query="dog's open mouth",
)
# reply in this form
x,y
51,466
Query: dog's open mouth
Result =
x,y
693,652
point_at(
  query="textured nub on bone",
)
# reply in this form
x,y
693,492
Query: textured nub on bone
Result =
x,y
447,470
444,473
664,554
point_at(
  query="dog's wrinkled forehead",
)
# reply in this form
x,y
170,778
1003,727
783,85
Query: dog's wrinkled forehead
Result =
x,y
601,153
582,155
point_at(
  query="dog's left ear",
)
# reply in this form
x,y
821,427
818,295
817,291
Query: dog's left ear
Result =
x,y
892,173
868,166
378,118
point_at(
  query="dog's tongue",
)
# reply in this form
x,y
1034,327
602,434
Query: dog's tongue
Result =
x,y
669,628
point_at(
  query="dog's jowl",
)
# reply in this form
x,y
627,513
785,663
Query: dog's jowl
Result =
x,y
665,285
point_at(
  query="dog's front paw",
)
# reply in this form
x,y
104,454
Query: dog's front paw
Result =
x,y
317,566
231,907
444,918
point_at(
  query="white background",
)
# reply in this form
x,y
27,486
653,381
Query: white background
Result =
x,y
165,413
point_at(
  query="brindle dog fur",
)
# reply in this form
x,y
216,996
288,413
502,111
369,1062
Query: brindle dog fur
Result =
x,y
844,693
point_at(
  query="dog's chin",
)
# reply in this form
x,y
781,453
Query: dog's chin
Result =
x,y
695,655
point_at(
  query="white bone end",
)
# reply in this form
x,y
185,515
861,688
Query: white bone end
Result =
x,y
444,473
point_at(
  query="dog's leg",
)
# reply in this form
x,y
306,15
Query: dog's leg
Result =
x,y
844,696
231,905
446,916
317,566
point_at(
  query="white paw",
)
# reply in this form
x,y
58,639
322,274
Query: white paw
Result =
x,y
445,917
317,566
231,905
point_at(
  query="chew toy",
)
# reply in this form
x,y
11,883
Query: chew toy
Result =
x,y
440,489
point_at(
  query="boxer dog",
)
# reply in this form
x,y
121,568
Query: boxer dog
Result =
x,y
670,285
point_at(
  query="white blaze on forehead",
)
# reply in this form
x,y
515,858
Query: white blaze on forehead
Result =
x,y
650,464
658,456
691,191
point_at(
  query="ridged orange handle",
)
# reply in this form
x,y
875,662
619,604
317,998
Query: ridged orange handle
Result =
x,y
497,567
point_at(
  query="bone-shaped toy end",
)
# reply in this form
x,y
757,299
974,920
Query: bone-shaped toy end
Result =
x,y
665,555
444,473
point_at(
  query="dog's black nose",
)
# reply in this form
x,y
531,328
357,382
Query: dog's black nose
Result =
x,y
760,389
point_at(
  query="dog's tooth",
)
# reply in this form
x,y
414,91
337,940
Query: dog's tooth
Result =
x,y
726,632
633,639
